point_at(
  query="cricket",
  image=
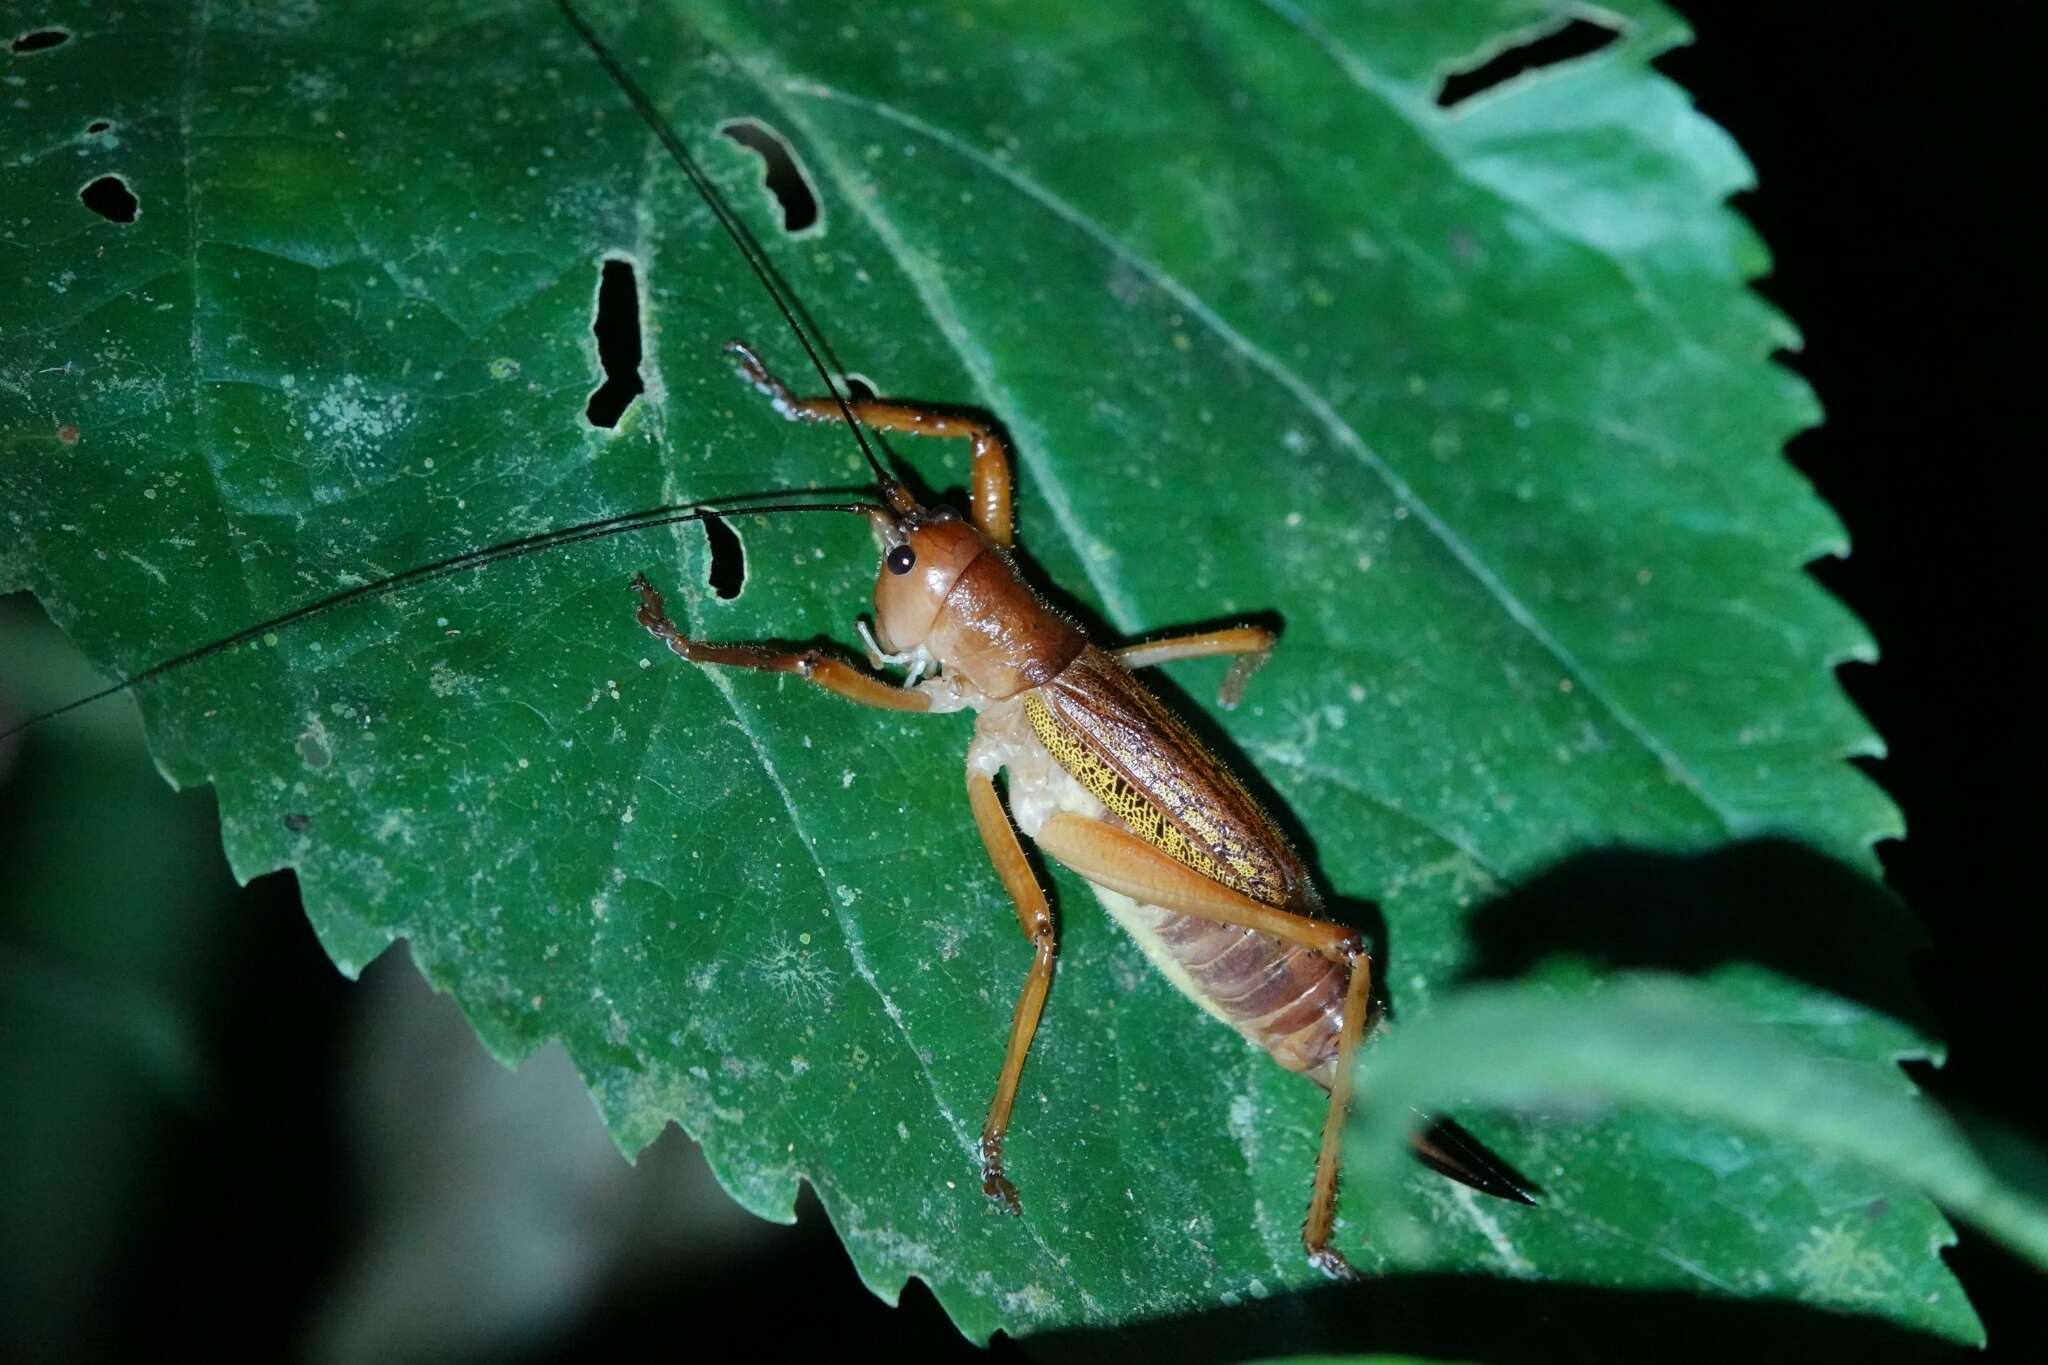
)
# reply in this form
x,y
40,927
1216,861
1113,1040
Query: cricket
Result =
x,y
1102,778
1069,749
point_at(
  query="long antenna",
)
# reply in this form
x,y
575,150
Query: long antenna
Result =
x,y
757,261
441,568
749,248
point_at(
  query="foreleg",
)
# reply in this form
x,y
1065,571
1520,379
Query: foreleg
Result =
x,y
812,665
990,468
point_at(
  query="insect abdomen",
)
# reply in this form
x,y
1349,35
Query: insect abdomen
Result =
x,y
1283,998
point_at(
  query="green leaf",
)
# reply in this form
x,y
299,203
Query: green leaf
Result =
x,y
1662,1044
1476,403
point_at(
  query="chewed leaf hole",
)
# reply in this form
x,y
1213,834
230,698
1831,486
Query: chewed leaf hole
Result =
x,y
781,176
728,558
860,389
110,197
42,40
97,126
1566,42
617,329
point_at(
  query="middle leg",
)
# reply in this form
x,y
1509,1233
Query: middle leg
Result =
x,y
1252,645
1034,916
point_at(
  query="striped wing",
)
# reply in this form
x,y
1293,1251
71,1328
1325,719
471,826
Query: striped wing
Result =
x,y
1138,759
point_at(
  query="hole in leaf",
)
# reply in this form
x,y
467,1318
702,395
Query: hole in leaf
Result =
x,y
859,388
617,329
111,199
780,173
728,558
98,125
1566,42
42,40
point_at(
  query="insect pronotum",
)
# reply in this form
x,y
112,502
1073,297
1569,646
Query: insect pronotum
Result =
x,y
1100,775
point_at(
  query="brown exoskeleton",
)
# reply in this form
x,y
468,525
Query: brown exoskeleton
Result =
x,y
1101,777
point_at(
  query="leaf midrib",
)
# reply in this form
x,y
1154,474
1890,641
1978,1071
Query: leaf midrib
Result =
x,y
1296,386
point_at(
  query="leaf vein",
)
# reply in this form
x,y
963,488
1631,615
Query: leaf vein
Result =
x,y
1318,407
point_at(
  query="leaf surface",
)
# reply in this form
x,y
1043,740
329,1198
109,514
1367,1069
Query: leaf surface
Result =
x,y
1475,403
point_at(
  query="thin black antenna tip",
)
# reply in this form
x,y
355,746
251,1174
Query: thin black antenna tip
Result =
x,y
66,709
670,515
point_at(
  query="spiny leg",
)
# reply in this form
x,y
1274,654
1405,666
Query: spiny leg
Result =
x,y
991,461
1034,916
810,664
1252,645
1109,856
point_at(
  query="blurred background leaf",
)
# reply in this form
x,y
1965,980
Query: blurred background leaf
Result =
x,y
488,1206
113,903
1661,1043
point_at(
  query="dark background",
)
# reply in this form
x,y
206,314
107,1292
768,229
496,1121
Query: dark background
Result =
x,y
1891,145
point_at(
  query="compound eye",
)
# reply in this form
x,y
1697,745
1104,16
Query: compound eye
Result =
x,y
900,559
